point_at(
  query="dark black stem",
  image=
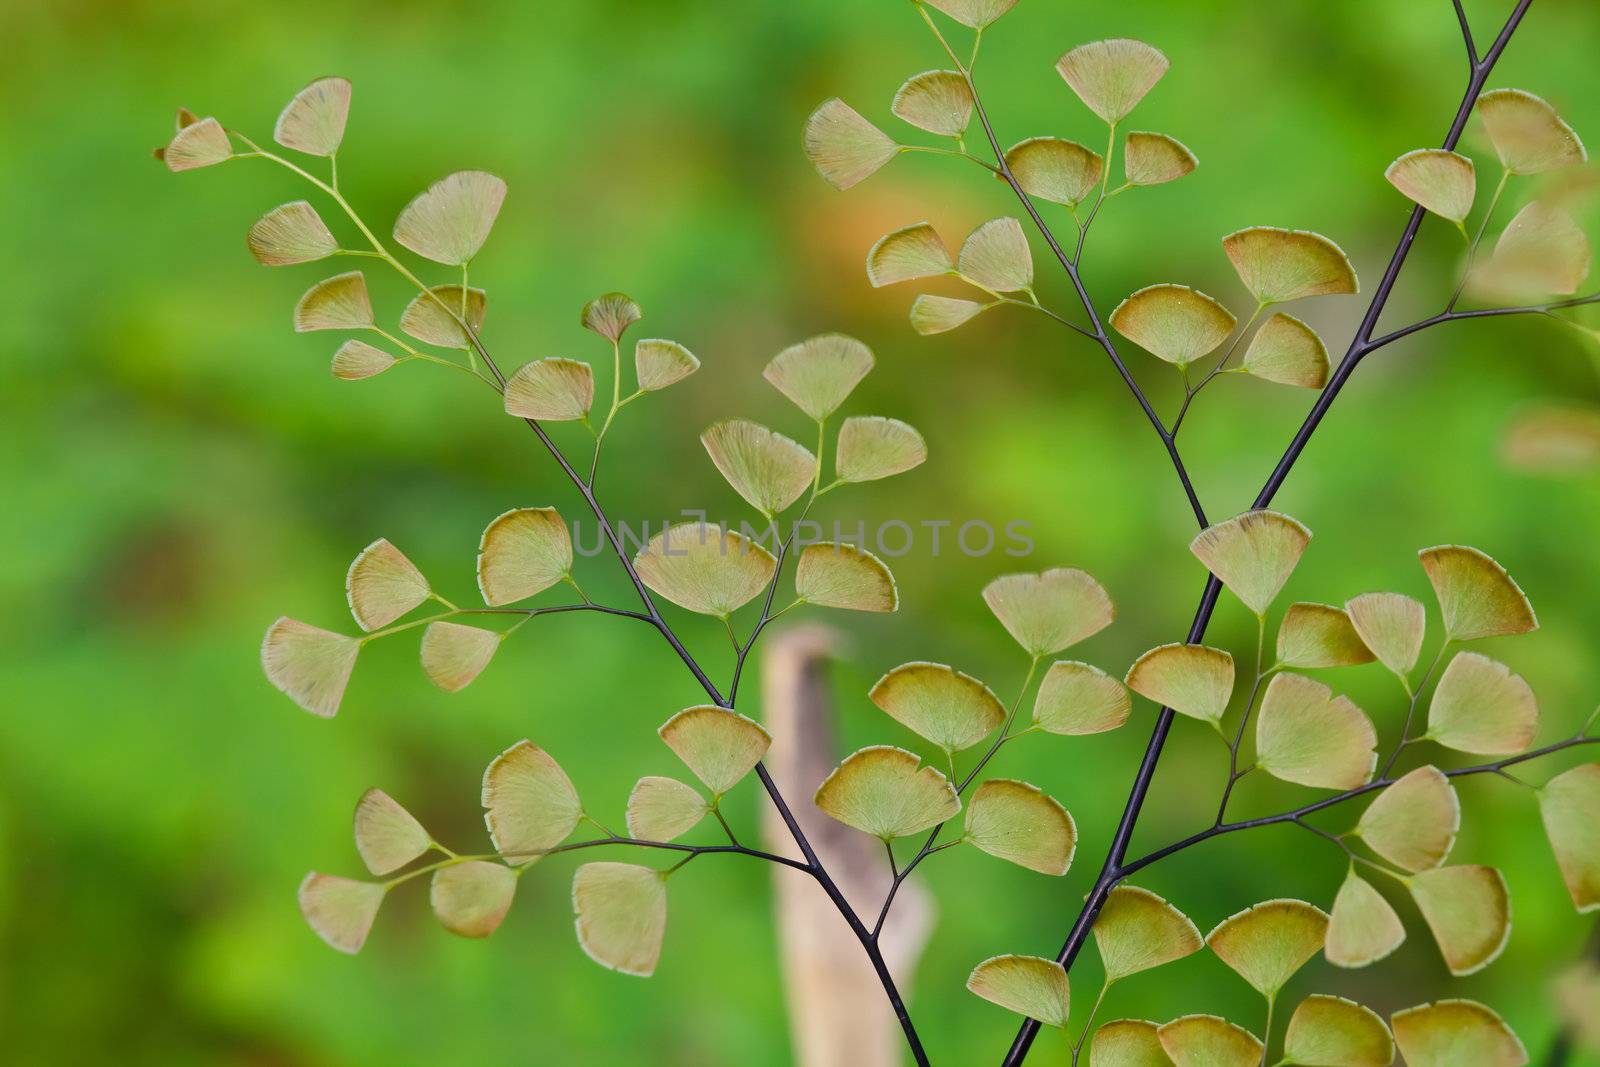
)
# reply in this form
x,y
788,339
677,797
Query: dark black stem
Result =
x,y
1097,328
1112,871
558,609
1325,803
742,653
1481,313
813,865
1466,34
929,845
670,846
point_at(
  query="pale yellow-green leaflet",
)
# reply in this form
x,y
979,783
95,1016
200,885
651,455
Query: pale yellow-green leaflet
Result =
x,y
1193,680
1308,735
291,233
872,447
996,256
551,390
1554,439
1288,352
1469,911
522,552
1444,182
1137,930
718,745
1527,134
704,568
1253,554
1077,698
837,575
1028,985
1480,707
1277,265
886,792
658,363
844,147
471,899
1391,625
340,910
1413,823
1454,1033
621,911
530,803
337,303
382,585
356,360
431,324
974,13
1112,76
938,101
1363,927
1209,1041
199,144
610,315
906,254
1055,169
939,314
820,372
939,703
1334,1032
1050,611
660,809
1543,251
1318,635
386,834
1476,595
1155,158
1570,807
1268,942
1128,1043
767,469
313,122
310,666
449,221
1173,322
453,655
1018,822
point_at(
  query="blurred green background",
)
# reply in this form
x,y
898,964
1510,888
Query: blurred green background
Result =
x,y
182,469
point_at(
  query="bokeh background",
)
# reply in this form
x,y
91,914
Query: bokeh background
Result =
x,y
181,469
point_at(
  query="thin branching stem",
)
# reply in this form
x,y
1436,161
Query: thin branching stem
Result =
x,y
1234,773
716,809
1466,35
1097,331
1300,814
1478,313
524,614
812,864
1477,239
1114,868
1190,392
690,851
1034,305
742,651
930,846
1414,696
1088,1023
